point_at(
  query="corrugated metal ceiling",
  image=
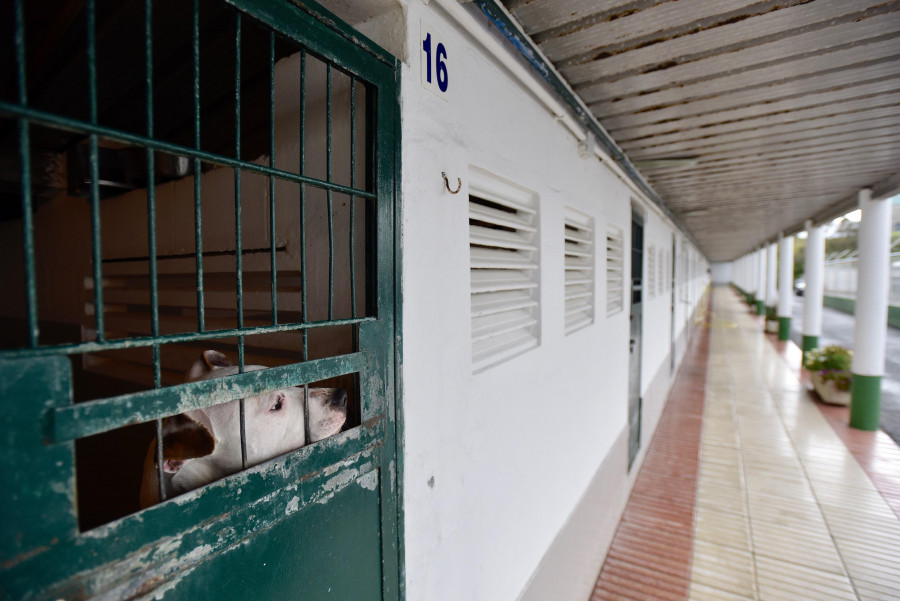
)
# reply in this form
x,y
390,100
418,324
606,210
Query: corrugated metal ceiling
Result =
x,y
773,111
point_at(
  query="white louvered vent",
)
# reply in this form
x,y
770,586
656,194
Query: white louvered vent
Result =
x,y
615,266
503,243
669,263
579,261
661,279
651,271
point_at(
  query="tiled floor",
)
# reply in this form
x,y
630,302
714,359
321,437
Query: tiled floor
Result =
x,y
650,558
782,508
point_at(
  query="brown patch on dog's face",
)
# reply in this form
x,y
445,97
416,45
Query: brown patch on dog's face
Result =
x,y
327,412
185,438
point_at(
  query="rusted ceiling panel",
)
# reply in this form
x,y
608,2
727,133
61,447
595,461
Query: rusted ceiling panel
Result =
x,y
657,108
844,112
547,14
730,37
775,111
561,43
851,59
845,35
833,99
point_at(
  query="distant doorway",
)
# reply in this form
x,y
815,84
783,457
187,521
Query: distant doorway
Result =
x,y
635,343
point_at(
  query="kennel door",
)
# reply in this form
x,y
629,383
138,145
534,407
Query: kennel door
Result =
x,y
231,186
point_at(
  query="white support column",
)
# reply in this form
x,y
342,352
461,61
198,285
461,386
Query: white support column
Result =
x,y
761,281
813,293
870,332
785,286
771,275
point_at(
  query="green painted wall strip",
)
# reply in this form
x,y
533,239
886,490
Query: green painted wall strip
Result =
x,y
85,419
810,343
848,305
865,405
784,328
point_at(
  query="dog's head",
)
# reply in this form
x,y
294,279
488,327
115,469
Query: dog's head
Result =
x,y
203,445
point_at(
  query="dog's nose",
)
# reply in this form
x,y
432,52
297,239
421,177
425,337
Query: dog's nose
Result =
x,y
339,398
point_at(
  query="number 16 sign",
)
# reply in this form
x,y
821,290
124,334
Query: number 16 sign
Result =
x,y
435,63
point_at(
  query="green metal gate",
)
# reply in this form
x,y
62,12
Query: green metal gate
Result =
x,y
318,522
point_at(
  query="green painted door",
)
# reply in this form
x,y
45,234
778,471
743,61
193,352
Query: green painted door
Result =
x,y
320,522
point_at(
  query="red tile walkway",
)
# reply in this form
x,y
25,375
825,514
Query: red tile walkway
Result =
x,y
650,557
651,554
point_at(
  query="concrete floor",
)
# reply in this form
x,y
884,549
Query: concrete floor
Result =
x,y
837,328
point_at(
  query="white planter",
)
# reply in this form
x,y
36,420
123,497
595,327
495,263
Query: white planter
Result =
x,y
828,392
771,326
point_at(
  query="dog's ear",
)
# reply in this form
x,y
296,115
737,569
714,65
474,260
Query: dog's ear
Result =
x,y
208,361
186,436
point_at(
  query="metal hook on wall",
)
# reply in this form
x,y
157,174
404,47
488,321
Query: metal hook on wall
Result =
x,y
447,183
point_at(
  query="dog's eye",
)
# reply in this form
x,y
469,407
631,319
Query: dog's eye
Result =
x,y
279,403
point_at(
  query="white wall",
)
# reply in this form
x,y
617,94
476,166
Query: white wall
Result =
x,y
721,272
496,463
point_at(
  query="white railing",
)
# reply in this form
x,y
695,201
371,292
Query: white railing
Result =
x,y
841,273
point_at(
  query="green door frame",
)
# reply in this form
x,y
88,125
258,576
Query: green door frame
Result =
x,y
42,553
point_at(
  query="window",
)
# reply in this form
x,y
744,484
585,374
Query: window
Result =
x,y
614,270
579,265
503,245
651,271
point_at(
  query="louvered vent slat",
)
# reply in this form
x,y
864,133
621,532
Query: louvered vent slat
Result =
x,y
489,258
661,279
615,244
504,269
651,271
579,270
669,260
497,302
495,238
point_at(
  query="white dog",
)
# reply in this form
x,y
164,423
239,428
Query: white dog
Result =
x,y
204,445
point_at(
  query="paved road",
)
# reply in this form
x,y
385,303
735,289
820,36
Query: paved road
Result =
x,y
837,328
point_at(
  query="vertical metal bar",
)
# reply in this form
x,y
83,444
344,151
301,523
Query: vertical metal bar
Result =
x,y
151,185
271,178
96,254
303,306
198,198
151,238
371,235
328,135
25,156
238,261
352,197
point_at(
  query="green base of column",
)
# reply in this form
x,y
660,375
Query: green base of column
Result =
x,y
810,343
866,402
760,308
784,328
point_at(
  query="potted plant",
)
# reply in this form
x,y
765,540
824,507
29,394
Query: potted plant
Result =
x,y
771,320
830,373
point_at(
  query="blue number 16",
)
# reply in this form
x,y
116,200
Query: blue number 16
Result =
x,y
440,56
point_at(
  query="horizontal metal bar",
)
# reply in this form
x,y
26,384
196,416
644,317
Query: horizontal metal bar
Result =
x,y
66,123
85,419
144,341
